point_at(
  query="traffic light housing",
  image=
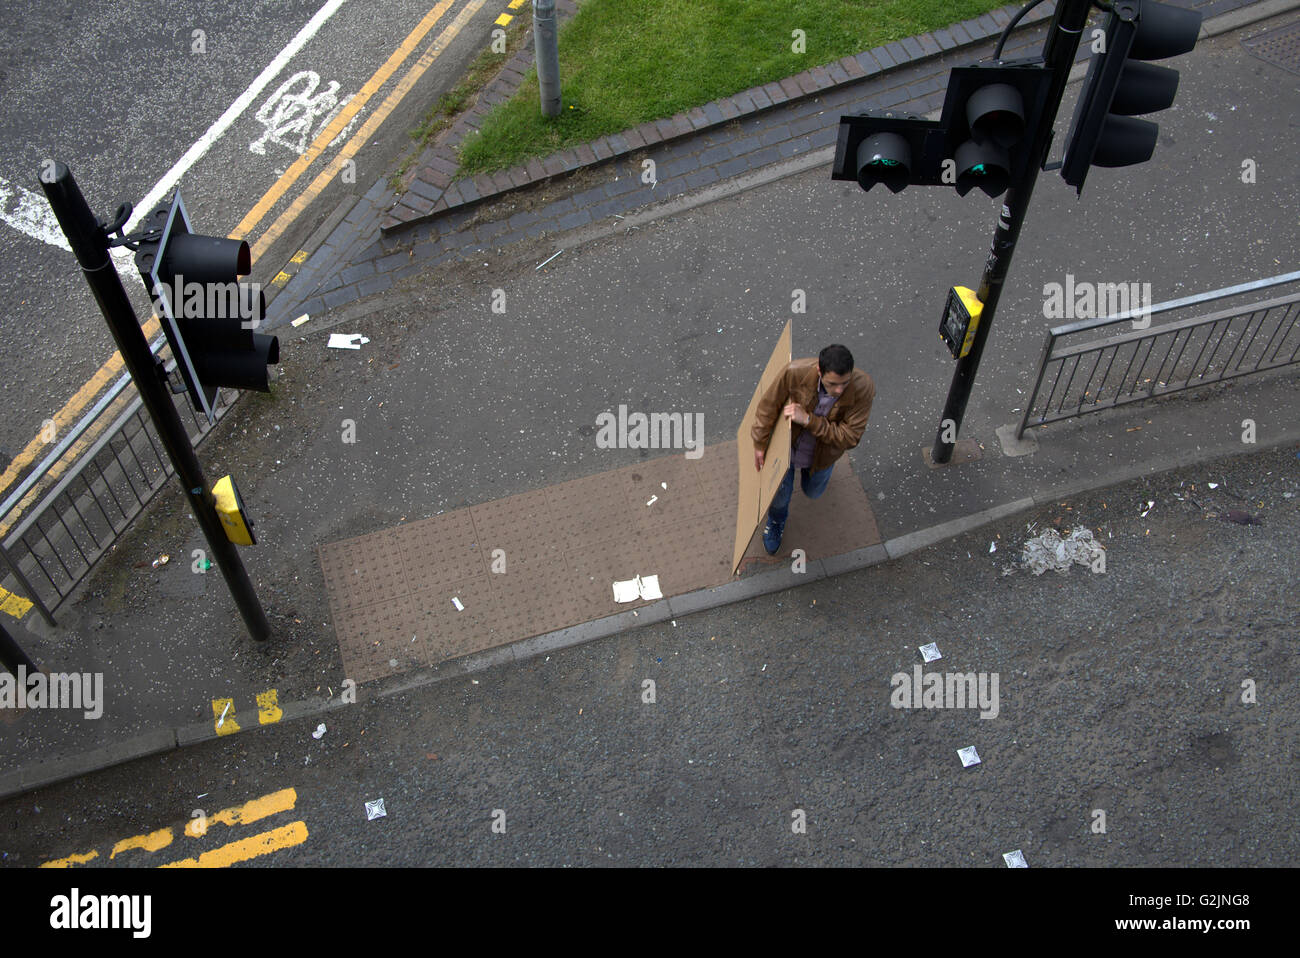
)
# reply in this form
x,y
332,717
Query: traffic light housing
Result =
x,y
982,139
1118,88
207,314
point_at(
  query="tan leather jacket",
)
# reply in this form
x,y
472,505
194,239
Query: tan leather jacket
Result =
x,y
840,430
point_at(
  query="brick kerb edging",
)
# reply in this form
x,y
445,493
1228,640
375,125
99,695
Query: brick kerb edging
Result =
x,y
776,579
432,193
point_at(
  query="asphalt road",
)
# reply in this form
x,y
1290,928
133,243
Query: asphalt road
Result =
x,y
120,91
1123,692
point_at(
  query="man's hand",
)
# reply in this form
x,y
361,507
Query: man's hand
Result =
x,y
759,456
796,413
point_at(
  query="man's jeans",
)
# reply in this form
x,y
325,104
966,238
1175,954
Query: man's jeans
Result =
x,y
813,484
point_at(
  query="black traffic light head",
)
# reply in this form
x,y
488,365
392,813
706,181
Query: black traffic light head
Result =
x,y
1118,87
982,139
208,315
991,116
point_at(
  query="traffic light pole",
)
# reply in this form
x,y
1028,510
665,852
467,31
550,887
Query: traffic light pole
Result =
x,y
90,245
1058,56
12,655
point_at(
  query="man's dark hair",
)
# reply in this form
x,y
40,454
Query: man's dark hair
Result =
x,y
835,359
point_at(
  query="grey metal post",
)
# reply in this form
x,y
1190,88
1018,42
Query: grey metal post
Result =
x,y
547,50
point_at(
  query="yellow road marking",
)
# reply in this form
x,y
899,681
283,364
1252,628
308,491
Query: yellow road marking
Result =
x,y
70,861
516,4
359,138
504,20
280,278
299,257
229,726
336,126
247,813
150,842
13,604
268,707
241,851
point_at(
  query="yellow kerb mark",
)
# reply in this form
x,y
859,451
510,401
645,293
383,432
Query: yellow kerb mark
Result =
x,y
504,19
13,604
299,257
150,842
71,860
280,278
247,813
229,726
268,707
246,848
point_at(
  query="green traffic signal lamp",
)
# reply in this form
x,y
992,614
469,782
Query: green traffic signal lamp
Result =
x,y
884,158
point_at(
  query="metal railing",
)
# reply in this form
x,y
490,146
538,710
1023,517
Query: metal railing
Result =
x,y
1085,377
100,489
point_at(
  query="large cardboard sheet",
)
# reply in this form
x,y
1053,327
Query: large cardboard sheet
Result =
x,y
757,489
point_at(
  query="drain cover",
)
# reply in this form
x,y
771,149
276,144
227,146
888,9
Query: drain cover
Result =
x,y
1281,47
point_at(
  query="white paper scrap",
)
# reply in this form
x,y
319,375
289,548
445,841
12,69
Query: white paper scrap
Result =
x,y
653,500
642,587
320,731
969,756
346,340
993,547
301,319
375,810
1015,859
930,652
1213,485
458,604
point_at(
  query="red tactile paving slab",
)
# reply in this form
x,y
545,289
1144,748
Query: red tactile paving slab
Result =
x,y
563,547
838,521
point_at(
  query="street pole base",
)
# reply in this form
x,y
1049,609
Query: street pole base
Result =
x,y
1011,446
963,450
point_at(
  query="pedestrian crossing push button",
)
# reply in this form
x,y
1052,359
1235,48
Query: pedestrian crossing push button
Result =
x,y
230,509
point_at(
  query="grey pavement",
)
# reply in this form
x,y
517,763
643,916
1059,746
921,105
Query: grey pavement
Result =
x,y
674,307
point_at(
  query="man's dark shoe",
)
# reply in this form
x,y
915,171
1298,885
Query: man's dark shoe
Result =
x,y
772,536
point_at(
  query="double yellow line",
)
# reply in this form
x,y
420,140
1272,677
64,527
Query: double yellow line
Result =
x,y
285,836
112,368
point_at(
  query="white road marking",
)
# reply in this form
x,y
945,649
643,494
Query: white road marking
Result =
x,y
205,142
289,113
30,213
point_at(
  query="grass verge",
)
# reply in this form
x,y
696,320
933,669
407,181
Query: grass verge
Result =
x,y
625,62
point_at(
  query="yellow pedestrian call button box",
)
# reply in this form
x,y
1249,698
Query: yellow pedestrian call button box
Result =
x,y
961,317
230,510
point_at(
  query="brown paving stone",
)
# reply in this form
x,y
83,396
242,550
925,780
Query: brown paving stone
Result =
x,y
532,601
448,633
839,521
565,545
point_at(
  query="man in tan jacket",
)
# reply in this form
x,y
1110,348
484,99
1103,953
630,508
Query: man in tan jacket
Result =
x,y
828,403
